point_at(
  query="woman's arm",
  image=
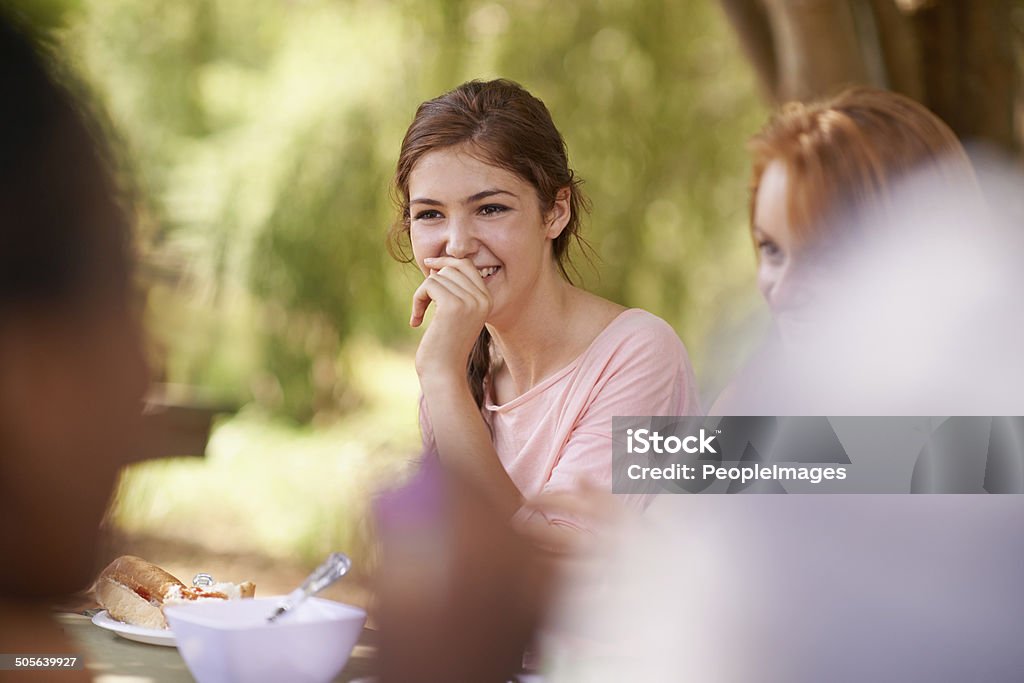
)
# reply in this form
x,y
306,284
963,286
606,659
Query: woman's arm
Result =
x,y
463,440
462,303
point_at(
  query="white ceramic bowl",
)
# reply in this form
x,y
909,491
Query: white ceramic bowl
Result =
x,y
225,642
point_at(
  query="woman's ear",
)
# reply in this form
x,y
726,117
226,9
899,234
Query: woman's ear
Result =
x,y
560,213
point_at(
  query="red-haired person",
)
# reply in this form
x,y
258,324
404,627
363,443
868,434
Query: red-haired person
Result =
x,y
851,200
820,168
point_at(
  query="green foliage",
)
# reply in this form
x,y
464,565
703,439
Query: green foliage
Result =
x,y
269,488
41,15
264,135
261,136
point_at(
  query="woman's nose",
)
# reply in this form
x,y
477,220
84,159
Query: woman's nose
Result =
x,y
767,279
461,240
789,288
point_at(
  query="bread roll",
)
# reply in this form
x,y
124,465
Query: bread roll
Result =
x,y
135,591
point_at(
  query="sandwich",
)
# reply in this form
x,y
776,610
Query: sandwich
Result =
x,y
135,591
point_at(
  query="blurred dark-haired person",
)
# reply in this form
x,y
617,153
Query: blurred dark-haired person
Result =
x,y
521,371
72,365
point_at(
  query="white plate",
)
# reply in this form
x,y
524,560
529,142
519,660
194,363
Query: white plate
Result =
x,y
152,636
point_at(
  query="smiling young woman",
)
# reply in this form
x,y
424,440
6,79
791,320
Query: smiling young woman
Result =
x,y
521,371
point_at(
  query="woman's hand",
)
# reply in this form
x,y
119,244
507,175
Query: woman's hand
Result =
x,y
463,304
461,436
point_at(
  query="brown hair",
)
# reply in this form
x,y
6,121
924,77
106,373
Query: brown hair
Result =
x,y
508,127
842,155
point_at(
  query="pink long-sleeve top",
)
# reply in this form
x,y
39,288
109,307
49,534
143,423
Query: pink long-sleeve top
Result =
x,y
558,435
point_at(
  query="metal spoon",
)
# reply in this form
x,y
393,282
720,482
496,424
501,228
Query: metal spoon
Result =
x,y
333,568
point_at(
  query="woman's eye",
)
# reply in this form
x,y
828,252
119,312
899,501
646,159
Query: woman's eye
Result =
x,y
427,215
769,249
492,209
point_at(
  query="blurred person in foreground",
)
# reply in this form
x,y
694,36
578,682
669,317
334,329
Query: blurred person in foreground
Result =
x,y
891,288
461,593
72,367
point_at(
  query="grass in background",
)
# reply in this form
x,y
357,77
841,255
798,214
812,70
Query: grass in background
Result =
x,y
284,491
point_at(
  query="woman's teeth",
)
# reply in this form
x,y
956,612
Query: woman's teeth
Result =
x,y
487,272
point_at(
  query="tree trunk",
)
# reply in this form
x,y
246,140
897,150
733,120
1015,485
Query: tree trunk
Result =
x,y
816,47
961,59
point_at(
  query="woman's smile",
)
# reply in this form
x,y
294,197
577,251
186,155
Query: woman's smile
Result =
x,y
489,272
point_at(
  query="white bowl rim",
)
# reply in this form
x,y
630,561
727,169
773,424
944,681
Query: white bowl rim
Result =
x,y
196,614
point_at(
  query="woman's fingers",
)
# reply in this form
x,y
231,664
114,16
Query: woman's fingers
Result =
x,y
434,288
455,277
463,265
428,291
420,301
458,278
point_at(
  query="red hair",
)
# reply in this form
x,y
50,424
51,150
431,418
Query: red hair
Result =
x,y
843,154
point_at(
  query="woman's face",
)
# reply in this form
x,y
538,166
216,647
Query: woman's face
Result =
x,y
777,266
465,208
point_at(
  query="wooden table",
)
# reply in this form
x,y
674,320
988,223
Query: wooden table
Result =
x,y
112,659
